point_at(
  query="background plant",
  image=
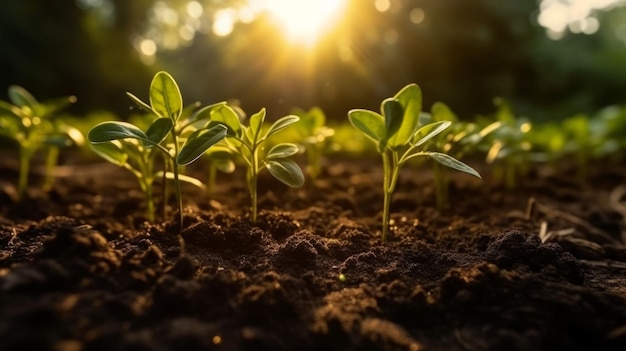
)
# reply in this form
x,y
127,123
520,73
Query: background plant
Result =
x,y
460,139
312,133
399,136
31,124
167,106
248,143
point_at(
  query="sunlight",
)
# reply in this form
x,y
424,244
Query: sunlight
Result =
x,y
576,16
303,21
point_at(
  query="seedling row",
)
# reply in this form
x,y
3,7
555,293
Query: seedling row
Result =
x,y
169,135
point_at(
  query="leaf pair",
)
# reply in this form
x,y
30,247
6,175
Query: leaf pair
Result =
x,y
398,122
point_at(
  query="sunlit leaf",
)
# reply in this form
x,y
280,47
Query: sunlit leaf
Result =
x,y
286,171
441,112
107,131
142,105
282,123
195,147
159,129
282,151
453,163
369,123
393,114
226,115
165,97
182,178
410,98
111,151
221,158
205,112
429,131
254,128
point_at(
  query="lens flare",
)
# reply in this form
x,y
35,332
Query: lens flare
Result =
x,y
304,21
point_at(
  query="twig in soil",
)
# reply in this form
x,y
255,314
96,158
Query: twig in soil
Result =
x,y
597,235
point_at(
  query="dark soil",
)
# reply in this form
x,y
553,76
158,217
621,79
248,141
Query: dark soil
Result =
x,y
81,269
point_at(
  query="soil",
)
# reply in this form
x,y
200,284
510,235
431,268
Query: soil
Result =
x,y
540,267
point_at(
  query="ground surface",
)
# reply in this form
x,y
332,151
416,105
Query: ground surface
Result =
x,y
80,269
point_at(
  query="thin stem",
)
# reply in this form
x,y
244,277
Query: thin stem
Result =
x,y
212,177
22,184
252,183
179,195
51,162
386,194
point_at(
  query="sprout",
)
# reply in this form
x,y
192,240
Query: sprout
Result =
x,y
30,124
400,136
313,135
248,142
166,105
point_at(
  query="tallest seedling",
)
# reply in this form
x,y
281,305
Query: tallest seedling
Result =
x,y
399,136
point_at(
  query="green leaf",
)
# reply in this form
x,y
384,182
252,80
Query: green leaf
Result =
x,y
159,129
369,123
453,163
393,113
107,131
286,171
282,123
226,115
429,131
142,105
282,151
256,123
410,98
111,151
205,112
196,146
441,112
181,177
221,158
165,97
21,97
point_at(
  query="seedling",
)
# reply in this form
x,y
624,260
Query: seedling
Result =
x,y
313,134
399,137
248,142
511,147
167,106
30,124
460,139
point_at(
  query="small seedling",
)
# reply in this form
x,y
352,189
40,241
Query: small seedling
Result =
x,y
313,134
511,146
399,137
30,124
248,142
460,139
167,106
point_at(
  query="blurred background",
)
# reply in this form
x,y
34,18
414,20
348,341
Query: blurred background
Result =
x,y
549,58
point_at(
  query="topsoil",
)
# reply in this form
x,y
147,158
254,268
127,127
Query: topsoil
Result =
x,y
540,267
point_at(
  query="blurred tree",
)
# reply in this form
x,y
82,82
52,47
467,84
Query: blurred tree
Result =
x,y
462,52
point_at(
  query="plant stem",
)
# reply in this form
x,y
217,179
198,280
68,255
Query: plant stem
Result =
x,y
211,180
179,195
23,173
252,183
386,194
51,162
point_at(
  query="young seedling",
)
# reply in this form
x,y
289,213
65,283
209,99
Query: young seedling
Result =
x,y
313,134
399,137
460,139
167,105
511,147
30,124
248,142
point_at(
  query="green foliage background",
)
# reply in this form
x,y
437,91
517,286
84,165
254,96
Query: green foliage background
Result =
x,y
464,53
